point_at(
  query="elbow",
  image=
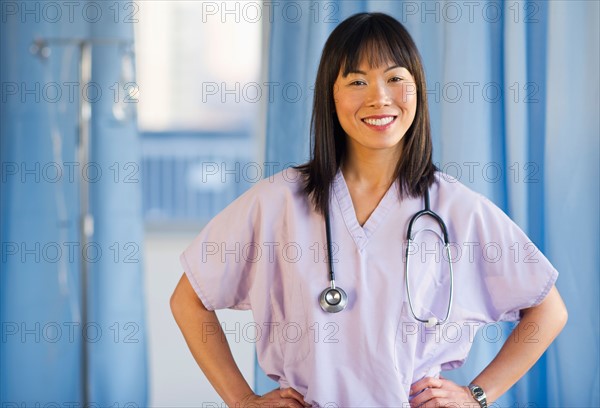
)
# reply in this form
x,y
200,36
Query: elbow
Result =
x,y
180,307
175,304
560,313
184,300
555,310
559,319
558,316
563,317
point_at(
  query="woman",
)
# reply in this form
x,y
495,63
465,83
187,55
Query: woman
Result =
x,y
371,170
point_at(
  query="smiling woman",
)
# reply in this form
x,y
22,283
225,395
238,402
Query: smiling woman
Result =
x,y
371,171
370,69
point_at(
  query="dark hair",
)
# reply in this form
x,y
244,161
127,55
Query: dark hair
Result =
x,y
379,38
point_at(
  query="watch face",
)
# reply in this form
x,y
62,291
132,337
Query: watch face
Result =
x,y
477,392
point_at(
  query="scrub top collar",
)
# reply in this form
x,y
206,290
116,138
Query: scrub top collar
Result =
x,y
361,235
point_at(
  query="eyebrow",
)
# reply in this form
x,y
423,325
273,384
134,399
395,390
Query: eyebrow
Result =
x,y
364,73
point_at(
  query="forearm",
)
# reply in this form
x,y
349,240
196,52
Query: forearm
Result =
x,y
208,345
538,327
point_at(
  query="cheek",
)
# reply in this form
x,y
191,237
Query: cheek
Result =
x,y
345,108
411,103
410,107
407,96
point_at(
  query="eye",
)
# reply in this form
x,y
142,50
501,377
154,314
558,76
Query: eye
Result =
x,y
396,79
358,82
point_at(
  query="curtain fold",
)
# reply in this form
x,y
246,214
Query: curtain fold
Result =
x,y
513,93
43,333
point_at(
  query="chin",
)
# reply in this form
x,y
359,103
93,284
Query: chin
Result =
x,y
383,146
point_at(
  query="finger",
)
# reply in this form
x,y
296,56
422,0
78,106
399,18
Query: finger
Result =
x,y
425,382
294,394
430,394
450,385
427,395
440,402
288,403
430,404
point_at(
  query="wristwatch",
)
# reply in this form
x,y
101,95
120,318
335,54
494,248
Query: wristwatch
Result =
x,y
478,394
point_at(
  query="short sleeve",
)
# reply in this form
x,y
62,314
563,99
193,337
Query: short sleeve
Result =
x,y
219,261
515,274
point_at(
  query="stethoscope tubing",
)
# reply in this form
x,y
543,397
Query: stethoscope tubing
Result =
x,y
334,299
450,297
409,237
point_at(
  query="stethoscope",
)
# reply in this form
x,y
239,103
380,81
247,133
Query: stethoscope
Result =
x,y
334,299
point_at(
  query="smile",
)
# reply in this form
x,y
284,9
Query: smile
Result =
x,y
379,121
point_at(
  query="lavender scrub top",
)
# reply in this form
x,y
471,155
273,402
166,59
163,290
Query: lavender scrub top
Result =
x,y
266,252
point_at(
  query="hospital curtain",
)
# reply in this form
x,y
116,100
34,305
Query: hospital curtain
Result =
x,y
43,334
513,93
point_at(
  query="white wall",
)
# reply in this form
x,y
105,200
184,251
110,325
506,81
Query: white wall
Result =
x,y
175,380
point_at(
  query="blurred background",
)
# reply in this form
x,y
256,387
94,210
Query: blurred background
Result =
x,y
127,125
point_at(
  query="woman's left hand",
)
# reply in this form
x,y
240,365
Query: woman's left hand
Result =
x,y
440,392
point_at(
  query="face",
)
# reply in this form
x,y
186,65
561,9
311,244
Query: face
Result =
x,y
375,106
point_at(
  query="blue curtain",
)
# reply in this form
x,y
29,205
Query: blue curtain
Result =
x,y
41,298
513,92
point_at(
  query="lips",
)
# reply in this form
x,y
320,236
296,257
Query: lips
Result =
x,y
379,120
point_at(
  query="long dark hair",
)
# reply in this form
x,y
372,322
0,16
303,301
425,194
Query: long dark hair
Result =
x,y
379,38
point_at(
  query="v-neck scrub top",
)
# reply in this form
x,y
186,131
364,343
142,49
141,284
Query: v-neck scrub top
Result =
x,y
266,252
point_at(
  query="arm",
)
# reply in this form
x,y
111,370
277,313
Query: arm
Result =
x,y
538,327
212,353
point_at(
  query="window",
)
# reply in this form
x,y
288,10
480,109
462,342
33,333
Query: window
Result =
x,y
198,71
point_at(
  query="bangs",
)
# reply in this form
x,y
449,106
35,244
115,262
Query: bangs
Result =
x,y
377,43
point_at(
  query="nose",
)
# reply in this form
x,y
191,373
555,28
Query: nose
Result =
x,y
378,95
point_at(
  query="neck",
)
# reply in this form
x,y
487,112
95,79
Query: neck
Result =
x,y
368,168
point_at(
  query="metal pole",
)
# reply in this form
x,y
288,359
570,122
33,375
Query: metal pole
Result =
x,y
86,221
41,48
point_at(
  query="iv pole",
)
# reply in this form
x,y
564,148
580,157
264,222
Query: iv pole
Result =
x,y
41,48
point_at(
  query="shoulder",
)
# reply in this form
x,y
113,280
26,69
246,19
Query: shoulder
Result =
x,y
460,199
267,202
472,211
450,189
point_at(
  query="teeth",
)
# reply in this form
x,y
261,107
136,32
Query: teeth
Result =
x,y
379,122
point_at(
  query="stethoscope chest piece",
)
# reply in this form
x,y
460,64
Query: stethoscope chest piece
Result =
x,y
333,299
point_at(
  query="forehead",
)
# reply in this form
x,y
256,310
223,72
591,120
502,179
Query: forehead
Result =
x,y
374,53
364,68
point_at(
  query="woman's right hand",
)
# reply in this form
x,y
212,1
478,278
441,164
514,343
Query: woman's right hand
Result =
x,y
282,397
